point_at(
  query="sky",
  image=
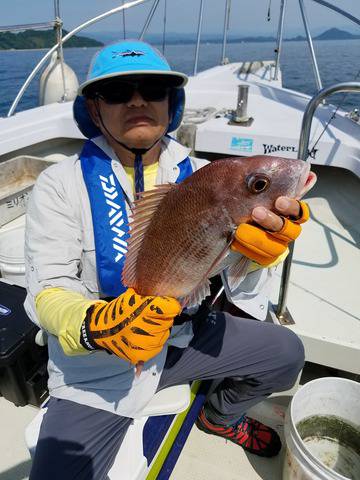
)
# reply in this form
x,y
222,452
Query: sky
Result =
x,y
248,17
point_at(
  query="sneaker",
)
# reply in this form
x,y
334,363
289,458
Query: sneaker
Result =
x,y
251,435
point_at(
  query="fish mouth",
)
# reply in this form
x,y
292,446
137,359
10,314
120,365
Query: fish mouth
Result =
x,y
306,181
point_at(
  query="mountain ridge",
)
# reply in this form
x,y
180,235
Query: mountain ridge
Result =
x,y
32,39
188,38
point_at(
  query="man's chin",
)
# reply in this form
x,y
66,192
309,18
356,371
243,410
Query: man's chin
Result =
x,y
141,140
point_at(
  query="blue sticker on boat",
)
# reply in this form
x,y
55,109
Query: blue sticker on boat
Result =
x,y
242,144
4,310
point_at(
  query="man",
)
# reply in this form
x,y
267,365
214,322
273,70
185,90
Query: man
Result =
x,y
77,226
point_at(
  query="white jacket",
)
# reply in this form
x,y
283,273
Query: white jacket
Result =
x,y
60,252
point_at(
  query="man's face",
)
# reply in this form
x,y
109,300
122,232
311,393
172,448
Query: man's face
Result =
x,y
137,123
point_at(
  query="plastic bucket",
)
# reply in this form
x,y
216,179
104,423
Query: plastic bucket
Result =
x,y
12,265
320,456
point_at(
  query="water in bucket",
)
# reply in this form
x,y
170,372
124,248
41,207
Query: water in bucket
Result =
x,y
322,431
333,442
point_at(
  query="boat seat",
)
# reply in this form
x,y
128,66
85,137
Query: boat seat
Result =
x,y
130,462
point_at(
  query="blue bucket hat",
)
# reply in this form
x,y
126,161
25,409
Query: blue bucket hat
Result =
x,y
129,57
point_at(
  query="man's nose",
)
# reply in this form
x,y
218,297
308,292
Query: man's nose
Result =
x,y
136,100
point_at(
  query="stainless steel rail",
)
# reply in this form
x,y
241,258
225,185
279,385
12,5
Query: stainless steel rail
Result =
x,y
149,18
25,26
279,39
348,87
124,21
338,10
57,8
198,36
311,46
58,27
64,39
226,28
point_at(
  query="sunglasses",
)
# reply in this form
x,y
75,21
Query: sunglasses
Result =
x,y
122,92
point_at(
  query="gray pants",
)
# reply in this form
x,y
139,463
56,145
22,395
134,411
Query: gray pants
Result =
x,y
247,359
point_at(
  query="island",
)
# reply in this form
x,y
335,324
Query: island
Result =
x,y
33,39
173,38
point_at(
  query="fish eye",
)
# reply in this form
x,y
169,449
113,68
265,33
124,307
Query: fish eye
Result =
x,y
258,182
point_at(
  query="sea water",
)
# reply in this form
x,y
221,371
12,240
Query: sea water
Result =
x,y
339,61
334,442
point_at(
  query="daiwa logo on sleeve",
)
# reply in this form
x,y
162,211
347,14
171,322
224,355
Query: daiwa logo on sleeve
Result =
x,y
242,144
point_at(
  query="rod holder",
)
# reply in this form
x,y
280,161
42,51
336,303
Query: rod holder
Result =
x,y
240,116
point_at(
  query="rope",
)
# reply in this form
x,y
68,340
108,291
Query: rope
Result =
x,y
60,54
201,115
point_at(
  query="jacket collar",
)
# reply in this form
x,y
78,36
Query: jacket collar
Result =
x,y
172,152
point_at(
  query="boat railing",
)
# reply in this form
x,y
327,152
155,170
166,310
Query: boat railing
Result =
x,y
226,28
282,312
62,41
27,26
198,37
279,39
58,24
149,18
311,45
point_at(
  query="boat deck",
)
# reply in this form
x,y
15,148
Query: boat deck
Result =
x,y
204,457
207,457
325,277
199,459
15,459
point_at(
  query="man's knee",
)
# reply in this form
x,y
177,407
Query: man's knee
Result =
x,y
290,356
295,351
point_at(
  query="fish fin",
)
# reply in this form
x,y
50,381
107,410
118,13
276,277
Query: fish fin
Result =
x,y
197,295
143,211
236,272
202,290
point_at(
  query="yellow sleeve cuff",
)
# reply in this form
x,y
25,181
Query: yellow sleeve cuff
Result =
x,y
255,266
62,312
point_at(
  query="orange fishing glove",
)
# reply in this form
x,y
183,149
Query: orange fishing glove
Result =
x,y
263,246
132,326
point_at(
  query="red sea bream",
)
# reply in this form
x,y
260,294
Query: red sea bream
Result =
x,y
180,233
